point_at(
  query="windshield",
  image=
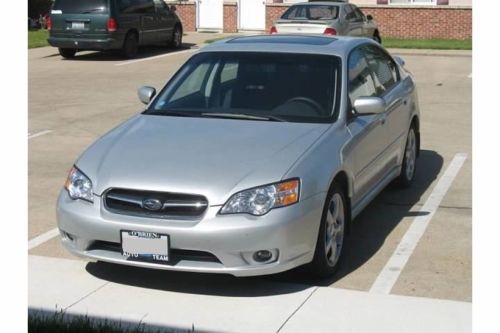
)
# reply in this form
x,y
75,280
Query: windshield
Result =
x,y
81,7
311,12
256,86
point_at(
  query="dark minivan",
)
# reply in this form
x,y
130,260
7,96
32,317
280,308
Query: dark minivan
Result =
x,y
77,25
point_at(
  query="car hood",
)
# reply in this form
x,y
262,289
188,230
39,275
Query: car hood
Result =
x,y
211,157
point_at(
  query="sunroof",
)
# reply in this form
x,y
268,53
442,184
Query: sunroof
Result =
x,y
303,40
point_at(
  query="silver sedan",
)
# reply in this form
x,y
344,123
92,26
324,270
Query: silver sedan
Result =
x,y
253,159
329,18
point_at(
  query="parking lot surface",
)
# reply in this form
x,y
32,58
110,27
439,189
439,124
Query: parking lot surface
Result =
x,y
73,102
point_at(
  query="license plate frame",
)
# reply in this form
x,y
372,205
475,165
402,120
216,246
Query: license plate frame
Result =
x,y
77,25
145,246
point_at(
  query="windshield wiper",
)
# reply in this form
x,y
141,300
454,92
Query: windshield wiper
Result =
x,y
173,113
247,116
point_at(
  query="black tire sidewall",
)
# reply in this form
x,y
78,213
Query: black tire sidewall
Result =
x,y
67,53
404,181
173,43
130,46
319,267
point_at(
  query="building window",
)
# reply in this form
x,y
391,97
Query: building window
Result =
x,y
412,2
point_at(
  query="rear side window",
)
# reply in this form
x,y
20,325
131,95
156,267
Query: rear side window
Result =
x,y
136,6
81,7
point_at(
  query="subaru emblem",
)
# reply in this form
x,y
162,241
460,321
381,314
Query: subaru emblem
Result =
x,y
152,204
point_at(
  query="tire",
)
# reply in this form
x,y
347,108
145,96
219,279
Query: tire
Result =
x,y
67,53
331,237
176,41
409,166
376,37
130,46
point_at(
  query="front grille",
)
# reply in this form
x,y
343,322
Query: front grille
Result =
x,y
175,255
154,204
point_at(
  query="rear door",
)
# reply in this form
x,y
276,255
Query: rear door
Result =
x,y
80,19
354,21
165,19
396,95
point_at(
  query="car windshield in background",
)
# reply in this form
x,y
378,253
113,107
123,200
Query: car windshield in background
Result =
x,y
254,86
81,7
311,12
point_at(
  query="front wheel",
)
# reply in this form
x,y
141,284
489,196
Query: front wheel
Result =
x,y
409,166
332,231
67,53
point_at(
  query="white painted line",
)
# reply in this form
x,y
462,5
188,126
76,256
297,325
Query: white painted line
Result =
x,y
43,238
390,273
156,57
37,134
469,76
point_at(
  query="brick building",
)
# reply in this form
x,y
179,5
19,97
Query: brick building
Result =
x,y
446,19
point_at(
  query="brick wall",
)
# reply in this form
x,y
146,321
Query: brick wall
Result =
x,y
408,22
186,10
230,17
447,22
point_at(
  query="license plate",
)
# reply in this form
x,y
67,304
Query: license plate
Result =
x,y
145,245
78,25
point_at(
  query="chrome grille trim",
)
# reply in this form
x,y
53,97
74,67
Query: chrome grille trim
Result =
x,y
132,202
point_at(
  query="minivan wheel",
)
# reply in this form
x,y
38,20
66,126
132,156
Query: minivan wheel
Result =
x,y
130,46
330,243
376,37
176,41
67,53
409,166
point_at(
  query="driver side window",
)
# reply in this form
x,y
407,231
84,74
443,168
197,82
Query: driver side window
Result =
x,y
361,83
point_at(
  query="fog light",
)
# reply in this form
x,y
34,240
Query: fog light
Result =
x,y
262,255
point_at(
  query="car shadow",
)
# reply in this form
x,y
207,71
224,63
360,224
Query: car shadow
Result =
x,y
115,55
368,234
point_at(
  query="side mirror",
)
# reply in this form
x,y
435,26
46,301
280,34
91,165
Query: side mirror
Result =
x,y
146,94
369,17
369,105
400,61
173,8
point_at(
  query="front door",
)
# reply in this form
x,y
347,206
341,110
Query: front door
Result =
x,y
210,14
369,134
165,19
252,14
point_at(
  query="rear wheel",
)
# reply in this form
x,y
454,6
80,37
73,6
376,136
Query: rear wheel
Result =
x,y
67,53
332,231
130,45
409,165
176,41
376,37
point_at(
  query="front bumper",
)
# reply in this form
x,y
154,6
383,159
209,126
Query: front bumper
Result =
x,y
86,43
231,239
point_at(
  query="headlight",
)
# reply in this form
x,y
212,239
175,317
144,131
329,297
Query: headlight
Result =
x,y
79,186
260,200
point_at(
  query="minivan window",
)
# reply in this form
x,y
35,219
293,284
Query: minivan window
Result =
x,y
135,6
81,7
289,87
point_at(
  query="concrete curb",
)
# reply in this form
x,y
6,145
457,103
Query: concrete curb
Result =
x,y
233,305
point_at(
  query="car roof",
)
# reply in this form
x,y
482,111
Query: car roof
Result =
x,y
309,44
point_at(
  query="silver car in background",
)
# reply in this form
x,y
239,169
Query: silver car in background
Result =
x,y
329,18
253,159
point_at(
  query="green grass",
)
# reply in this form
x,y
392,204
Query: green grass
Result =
x,y
434,44
58,323
37,38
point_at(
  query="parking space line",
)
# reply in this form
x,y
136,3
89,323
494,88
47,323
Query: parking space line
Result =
x,y
390,273
39,240
34,135
469,76
156,57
